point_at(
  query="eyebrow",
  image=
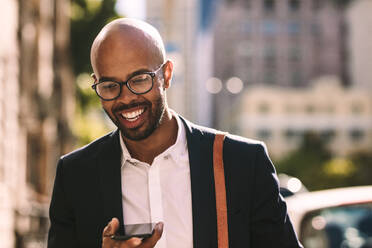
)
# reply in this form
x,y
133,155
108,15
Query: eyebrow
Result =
x,y
135,73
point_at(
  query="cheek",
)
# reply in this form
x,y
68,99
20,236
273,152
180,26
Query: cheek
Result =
x,y
107,106
158,91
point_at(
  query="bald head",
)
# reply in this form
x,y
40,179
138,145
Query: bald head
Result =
x,y
124,40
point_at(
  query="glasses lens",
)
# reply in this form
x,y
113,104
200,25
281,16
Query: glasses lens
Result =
x,y
140,83
108,89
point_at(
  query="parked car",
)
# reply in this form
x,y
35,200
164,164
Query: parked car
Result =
x,y
333,218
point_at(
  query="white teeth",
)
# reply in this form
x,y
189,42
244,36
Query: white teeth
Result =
x,y
132,116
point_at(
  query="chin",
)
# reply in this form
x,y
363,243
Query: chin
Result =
x,y
138,134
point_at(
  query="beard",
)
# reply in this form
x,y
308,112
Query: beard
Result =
x,y
153,110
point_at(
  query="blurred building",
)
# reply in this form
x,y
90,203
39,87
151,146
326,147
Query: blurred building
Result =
x,y
286,43
186,30
360,43
276,43
36,104
280,117
12,159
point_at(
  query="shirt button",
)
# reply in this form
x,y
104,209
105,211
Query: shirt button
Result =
x,y
166,157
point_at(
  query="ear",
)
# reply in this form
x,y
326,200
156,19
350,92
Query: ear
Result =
x,y
94,77
168,73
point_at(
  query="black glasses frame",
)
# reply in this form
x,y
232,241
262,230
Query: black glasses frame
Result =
x,y
121,83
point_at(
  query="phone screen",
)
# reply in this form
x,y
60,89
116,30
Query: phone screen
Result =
x,y
143,230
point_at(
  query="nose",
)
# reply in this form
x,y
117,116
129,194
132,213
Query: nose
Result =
x,y
126,96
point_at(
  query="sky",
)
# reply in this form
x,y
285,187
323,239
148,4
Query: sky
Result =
x,y
132,8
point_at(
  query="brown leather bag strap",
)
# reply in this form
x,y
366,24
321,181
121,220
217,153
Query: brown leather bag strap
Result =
x,y
219,183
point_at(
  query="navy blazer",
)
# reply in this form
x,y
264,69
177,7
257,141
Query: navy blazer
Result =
x,y
87,194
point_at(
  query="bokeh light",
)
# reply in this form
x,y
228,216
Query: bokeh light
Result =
x,y
213,85
234,85
318,222
294,184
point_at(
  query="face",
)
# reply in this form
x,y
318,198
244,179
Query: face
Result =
x,y
137,116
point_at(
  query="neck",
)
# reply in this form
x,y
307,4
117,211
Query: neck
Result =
x,y
164,136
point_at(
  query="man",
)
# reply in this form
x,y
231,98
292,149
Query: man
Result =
x,y
158,167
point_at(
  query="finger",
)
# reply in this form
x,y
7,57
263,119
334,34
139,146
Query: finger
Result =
x,y
108,231
151,241
131,243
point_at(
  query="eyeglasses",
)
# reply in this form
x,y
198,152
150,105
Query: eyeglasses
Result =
x,y
138,84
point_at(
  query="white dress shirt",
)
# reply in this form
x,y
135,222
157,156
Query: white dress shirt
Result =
x,y
160,192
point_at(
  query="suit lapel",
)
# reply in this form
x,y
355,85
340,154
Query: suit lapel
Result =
x,y
200,147
109,163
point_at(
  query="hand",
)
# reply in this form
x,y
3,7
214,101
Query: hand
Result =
x,y
113,226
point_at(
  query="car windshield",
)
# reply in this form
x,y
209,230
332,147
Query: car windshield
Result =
x,y
342,227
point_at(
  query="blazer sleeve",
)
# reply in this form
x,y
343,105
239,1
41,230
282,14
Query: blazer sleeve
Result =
x,y
270,223
62,232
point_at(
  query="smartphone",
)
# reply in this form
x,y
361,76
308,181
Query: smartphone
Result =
x,y
143,230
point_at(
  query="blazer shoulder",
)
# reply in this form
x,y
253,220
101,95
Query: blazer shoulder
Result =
x,y
91,150
244,147
230,140
239,140
194,128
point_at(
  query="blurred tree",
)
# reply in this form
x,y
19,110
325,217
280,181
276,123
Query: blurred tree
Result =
x,y
46,88
87,19
353,170
363,162
339,172
306,162
45,102
318,169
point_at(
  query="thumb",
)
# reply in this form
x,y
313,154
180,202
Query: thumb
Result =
x,y
156,235
111,228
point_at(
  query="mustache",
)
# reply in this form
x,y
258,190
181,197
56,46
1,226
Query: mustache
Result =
x,y
122,106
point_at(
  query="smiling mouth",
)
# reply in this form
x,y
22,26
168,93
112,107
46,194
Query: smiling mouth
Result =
x,y
133,115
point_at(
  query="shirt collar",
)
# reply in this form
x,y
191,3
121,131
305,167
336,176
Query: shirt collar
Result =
x,y
178,151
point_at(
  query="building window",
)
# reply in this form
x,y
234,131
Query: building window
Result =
x,y
330,109
294,5
294,27
269,76
356,134
264,134
245,74
295,54
317,4
296,77
269,51
316,29
263,108
269,6
269,27
246,27
292,134
310,109
230,1
270,56
247,4
289,108
328,135
245,49
356,108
